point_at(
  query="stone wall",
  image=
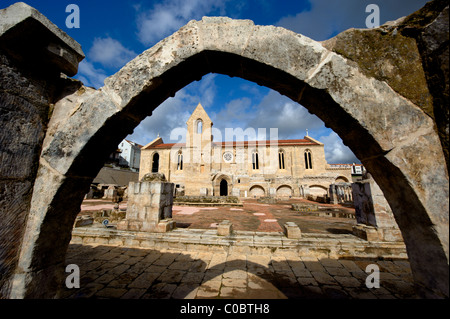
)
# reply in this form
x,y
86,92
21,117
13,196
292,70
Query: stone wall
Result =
x,y
30,82
411,55
23,120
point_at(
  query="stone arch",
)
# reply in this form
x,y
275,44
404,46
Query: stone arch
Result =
x,y
318,190
326,83
256,190
341,179
217,180
284,191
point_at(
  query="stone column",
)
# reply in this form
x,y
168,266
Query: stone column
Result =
x,y
374,217
149,205
333,194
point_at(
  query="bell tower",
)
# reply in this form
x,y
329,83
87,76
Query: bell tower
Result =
x,y
199,139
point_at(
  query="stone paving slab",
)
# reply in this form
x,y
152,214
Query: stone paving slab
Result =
x,y
138,273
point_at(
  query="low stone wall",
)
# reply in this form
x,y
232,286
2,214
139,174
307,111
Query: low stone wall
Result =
x,y
305,207
257,243
207,201
268,200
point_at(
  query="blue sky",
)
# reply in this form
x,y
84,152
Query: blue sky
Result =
x,y
112,33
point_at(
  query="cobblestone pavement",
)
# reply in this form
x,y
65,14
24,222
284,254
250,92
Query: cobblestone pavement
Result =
x,y
134,273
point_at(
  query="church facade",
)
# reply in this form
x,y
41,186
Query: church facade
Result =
x,y
281,168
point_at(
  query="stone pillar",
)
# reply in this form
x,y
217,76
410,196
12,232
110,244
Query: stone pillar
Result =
x,y
34,56
272,192
305,189
333,194
149,205
374,216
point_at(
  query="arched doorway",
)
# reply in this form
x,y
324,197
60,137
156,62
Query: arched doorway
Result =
x,y
223,187
386,129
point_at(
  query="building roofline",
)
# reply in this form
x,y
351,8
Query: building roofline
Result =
x,y
297,142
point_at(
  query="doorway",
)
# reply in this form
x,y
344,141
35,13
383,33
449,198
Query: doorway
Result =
x,y
223,188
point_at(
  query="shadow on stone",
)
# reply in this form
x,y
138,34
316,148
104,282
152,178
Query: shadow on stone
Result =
x,y
109,272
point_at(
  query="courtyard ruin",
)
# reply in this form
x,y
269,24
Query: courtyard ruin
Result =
x,y
73,128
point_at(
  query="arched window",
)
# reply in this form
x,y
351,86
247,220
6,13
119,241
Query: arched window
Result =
x,y
155,163
255,160
281,159
199,126
308,160
180,161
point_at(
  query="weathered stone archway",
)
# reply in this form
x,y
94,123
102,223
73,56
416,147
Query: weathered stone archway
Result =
x,y
216,183
256,191
383,128
284,191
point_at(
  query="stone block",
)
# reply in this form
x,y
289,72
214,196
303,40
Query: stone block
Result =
x,y
55,50
292,230
203,191
365,232
83,221
165,226
392,235
225,228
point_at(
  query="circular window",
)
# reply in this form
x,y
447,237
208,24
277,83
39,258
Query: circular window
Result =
x,y
228,157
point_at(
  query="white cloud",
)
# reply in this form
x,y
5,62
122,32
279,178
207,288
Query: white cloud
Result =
x,y
335,150
89,75
167,17
110,52
274,111
291,118
173,113
327,18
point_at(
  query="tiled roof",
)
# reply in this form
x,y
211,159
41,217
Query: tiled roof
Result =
x,y
244,143
131,142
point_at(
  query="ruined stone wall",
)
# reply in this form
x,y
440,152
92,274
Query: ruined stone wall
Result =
x,y
372,209
412,55
384,125
148,204
23,118
31,61
24,114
